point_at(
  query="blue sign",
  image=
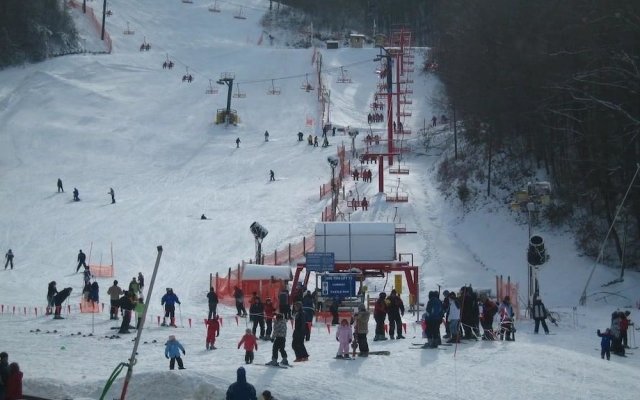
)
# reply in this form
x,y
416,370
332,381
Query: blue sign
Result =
x,y
320,262
338,285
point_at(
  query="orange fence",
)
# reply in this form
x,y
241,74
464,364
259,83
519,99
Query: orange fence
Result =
x,y
101,271
508,289
94,21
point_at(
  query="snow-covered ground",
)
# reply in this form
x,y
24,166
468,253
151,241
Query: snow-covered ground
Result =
x,y
121,121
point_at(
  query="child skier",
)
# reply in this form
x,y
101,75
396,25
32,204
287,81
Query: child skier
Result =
x,y
213,331
250,343
605,343
172,350
344,336
279,340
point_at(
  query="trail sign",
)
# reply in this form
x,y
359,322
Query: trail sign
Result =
x,y
338,285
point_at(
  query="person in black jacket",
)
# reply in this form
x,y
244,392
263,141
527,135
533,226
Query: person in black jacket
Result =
x,y
241,389
299,331
81,260
395,311
283,304
539,313
9,257
127,303
59,299
213,303
256,314
51,293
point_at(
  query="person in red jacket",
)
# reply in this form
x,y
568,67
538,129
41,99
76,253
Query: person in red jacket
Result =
x,y
624,325
269,311
213,331
13,386
250,343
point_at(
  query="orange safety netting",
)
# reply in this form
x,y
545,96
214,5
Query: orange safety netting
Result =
x,y
87,306
101,271
511,290
94,21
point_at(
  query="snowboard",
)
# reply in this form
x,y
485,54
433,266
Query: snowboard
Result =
x,y
343,358
441,344
276,366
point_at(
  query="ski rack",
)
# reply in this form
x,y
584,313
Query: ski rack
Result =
x,y
273,90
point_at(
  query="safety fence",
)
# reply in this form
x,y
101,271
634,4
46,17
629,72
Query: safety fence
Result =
x,y
94,22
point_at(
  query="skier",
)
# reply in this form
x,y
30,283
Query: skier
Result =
x,y
51,292
269,310
9,257
299,331
81,260
134,286
172,349
365,204
310,140
86,274
300,136
539,315
256,315
213,331
169,301
76,195
506,319
140,281
60,188
433,319
113,196
85,291
489,310
315,141
250,343
280,338
362,328
114,293
59,298
379,315
283,304
127,304
333,131
344,336
237,143
212,298
395,311
203,216
266,136
434,121
605,343
307,309
325,142
616,342
624,326
272,175
239,297
140,307
241,389
454,318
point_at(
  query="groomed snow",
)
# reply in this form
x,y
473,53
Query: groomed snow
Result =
x,y
121,121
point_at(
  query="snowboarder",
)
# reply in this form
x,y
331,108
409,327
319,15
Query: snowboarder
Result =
x,y
540,314
395,311
299,332
9,257
241,389
266,136
81,260
203,216
237,143
379,315
76,195
250,343
280,338
172,349
60,188
238,295
51,292
169,301
213,331
59,298
344,336
212,298
605,343
272,175
114,293
113,196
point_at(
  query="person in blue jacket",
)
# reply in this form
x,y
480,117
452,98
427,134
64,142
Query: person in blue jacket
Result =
x,y
241,389
605,343
172,350
169,301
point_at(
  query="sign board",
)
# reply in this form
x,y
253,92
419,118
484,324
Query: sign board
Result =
x,y
320,262
338,285
357,241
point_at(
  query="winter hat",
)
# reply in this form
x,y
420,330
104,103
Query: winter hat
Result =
x,y
247,331
172,337
115,282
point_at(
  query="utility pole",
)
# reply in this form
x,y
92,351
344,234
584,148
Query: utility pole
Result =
x,y
104,14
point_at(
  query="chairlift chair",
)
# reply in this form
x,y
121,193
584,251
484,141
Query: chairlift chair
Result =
x,y
187,77
211,89
238,94
128,31
214,7
273,90
240,14
344,76
306,86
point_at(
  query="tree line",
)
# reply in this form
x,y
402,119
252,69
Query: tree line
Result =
x,y
556,82
31,31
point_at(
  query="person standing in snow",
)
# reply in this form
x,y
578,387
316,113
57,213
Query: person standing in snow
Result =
x,y
140,282
379,315
237,143
238,295
76,195
241,389
269,311
272,175
605,343
60,188
134,286
212,299
169,301
395,311
279,341
362,329
344,336
266,136
506,319
13,383
489,310
539,313
624,326
127,304
9,257
299,332
172,349
59,299
94,293
250,343
454,318
86,274
113,195
213,331
433,319
114,293
256,315
51,293
300,136
4,373
81,260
